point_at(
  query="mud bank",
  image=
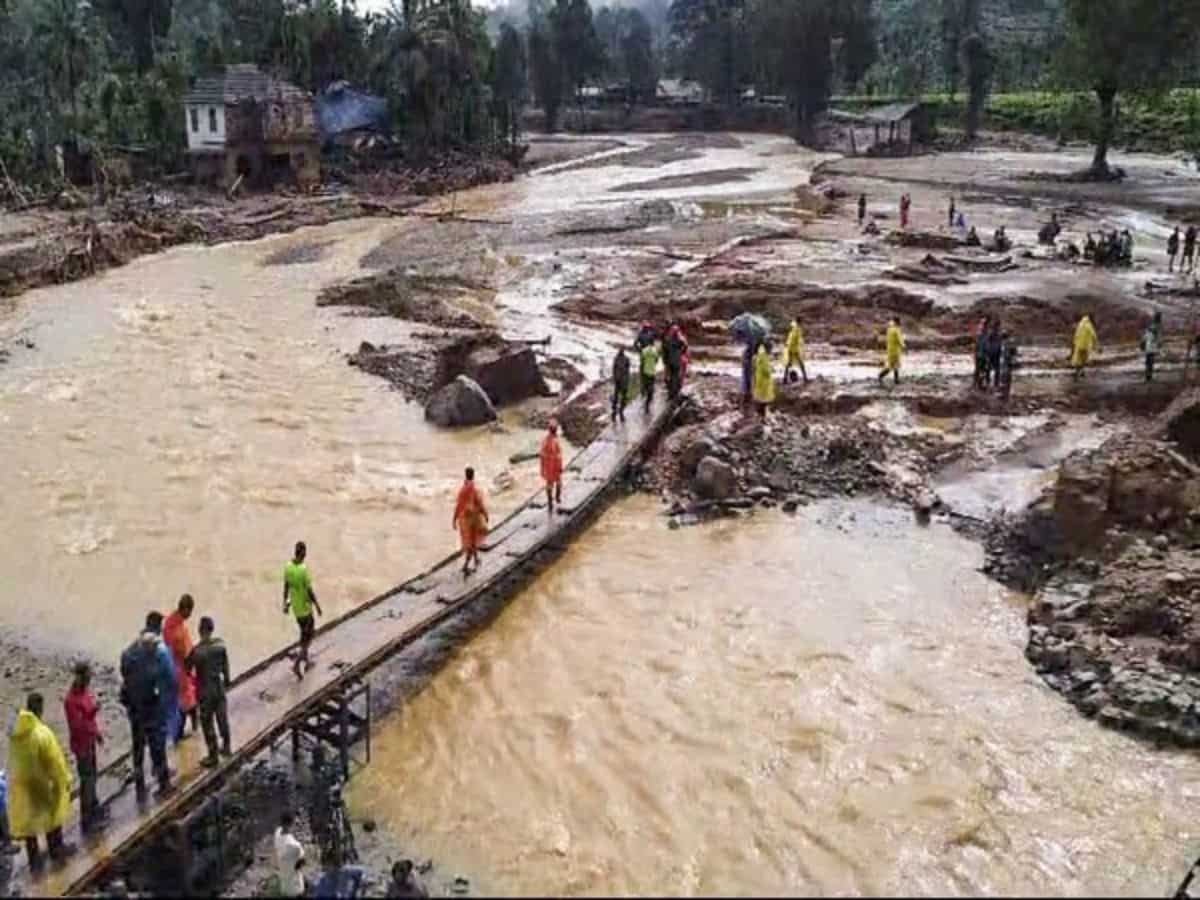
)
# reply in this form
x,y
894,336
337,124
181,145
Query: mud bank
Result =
x,y
1110,553
58,246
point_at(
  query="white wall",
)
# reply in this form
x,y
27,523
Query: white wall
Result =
x,y
203,137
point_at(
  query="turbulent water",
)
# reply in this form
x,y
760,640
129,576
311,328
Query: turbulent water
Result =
x,y
186,419
835,703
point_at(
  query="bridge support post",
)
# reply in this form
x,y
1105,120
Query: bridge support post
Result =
x,y
340,722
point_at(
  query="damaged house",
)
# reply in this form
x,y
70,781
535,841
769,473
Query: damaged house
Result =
x,y
242,123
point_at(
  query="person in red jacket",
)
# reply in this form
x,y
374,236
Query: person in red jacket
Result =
x,y
82,711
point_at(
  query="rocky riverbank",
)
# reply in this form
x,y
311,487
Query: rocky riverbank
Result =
x,y
1110,553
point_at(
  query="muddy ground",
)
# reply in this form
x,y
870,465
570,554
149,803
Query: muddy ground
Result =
x,y
74,235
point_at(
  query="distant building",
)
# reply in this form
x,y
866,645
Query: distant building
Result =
x,y
886,130
244,123
672,91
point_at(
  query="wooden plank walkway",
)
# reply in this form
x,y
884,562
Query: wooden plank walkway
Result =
x,y
267,699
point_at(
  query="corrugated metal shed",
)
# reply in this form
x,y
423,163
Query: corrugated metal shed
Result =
x,y
340,108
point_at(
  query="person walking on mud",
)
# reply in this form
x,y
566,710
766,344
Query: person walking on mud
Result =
x,y
649,368
471,520
1084,345
552,467
1173,250
862,209
179,641
793,353
764,380
39,788
1008,365
994,349
1189,249
1150,343
905,206
675,358
895,350
620,378
300,598
86,738
210,663
950,219
981,372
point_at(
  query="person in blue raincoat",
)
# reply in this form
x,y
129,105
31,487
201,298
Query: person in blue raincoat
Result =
x,y
168,689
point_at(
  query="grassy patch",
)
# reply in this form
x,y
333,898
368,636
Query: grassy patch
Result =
x,y
1168,122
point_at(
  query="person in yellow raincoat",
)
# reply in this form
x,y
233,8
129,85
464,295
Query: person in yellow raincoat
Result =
x,y
793,354
764,380
1084,345
39,785
895,350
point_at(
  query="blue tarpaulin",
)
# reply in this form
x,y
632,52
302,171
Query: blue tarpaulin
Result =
x,y
340,108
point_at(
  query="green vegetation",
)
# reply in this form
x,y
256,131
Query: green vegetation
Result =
x,y
1166,122
100,74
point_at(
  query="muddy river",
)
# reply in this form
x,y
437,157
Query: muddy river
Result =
x,y
835,703
831,703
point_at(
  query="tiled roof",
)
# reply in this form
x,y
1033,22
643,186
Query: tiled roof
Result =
x,y
240,82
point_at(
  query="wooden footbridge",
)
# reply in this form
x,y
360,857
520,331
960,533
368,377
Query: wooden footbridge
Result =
x,y
267,701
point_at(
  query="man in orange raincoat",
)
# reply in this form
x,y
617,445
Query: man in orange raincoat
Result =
x,y
471,519
552,467
179,640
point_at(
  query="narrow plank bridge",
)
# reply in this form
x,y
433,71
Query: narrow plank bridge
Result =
x,y
267,701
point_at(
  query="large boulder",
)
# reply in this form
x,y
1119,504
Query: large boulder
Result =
x,y
1182,421
507,372
715,480
460,403
1081,504
691,455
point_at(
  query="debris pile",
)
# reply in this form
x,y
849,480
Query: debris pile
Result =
x,y
1112,626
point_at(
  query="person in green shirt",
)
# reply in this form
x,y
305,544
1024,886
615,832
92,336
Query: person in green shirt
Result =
x,y
648,368
298,594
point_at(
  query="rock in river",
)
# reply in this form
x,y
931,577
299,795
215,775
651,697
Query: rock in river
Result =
x,y
714,479
460,403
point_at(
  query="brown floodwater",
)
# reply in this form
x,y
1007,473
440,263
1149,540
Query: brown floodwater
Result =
x,y
835,703
185,419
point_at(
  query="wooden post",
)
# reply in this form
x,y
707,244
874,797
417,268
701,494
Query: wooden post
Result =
x,y
344,734
368,722
853,150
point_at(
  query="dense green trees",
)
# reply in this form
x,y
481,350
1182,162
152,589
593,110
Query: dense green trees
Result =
x,y
1123,45
113,72
105,73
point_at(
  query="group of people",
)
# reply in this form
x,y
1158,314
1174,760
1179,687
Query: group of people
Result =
x,y
338,879
995,357
1114,248
167,679
905,214
1188,260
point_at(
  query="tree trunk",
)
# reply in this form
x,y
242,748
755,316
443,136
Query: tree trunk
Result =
x,y
1107,95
